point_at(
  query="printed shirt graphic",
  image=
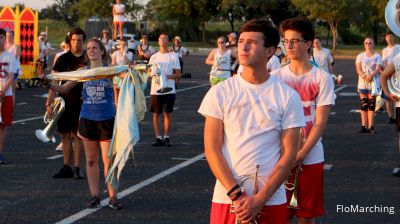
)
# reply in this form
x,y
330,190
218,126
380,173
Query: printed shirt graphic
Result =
x,y
7,66
368,64
222,64
315,88
98,103
323,57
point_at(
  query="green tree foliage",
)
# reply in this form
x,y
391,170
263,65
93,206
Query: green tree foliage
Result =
x,y
61,10
331,11
190,14
371,18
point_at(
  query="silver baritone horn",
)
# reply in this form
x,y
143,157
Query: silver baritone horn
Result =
x,y
392,16
57,108
160,78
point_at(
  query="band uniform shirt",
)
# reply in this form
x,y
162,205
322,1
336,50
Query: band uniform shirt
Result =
x,y
389,53
68,62
323,58
253,117
168,62
7,66
368,64
316,88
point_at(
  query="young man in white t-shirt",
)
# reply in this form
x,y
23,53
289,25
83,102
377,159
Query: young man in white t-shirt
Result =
x,y
7,70
316,90
252,127
388,54
393,69
163,102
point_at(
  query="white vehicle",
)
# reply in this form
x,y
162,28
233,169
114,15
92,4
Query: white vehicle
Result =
x,y
132,40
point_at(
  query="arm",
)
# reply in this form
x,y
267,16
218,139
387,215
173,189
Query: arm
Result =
x,y
250,206
210,58
359,71
321,119
386,74
175,75
330,67
113,59
63,89
8,83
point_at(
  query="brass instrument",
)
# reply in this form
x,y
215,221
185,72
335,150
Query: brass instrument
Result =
x,y
57,108
295,184
160,78
242,181
392,17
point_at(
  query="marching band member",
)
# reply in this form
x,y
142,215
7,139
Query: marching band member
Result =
x,y
220,60
119,19
68,123
15,50
120,57
316,90
7,71
322,56
96,122
164,102
368,65
251,119
145,50
388,54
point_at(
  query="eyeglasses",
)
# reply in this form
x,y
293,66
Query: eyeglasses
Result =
x,y
368,43
220,42
292,41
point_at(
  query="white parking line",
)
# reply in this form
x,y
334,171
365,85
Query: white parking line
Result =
x,y
327,166
340,88
130,190
348,94
27,119
55,157
184,159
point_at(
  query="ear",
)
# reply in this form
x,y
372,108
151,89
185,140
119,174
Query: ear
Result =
x,y
309,44
270,51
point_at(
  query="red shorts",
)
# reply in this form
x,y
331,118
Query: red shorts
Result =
x,y
271,214
7,108
310,195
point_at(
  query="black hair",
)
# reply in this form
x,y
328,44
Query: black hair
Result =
x,y
301,25
271,35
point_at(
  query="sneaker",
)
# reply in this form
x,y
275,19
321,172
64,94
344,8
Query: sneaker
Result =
x,y
397,174
158,142
65,172
363,130
167,142
93,202
59,147
2,160
114,204
77,173
371,130
391,121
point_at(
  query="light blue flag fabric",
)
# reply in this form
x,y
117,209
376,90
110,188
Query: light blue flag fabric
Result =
x,y
126,129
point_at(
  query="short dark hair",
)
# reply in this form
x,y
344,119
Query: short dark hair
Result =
x,y
271,35
388,32
2,31
77,31
301,25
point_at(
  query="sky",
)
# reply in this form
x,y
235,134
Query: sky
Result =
x,y
39,4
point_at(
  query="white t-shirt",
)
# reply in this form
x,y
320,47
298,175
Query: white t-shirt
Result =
x,y
221,67
368,65
44,46
119,57
7,66
180,51
388,53
316,88
396,63
168,62
323,58
253,117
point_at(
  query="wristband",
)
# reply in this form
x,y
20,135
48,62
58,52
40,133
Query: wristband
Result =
x,y
237,186
237,194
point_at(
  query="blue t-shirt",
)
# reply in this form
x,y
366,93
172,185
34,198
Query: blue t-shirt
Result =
x,y
98,100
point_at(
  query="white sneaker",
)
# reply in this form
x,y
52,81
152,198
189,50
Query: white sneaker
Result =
x,y
59,147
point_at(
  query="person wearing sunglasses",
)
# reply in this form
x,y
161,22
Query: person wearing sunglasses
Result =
x,y
368,65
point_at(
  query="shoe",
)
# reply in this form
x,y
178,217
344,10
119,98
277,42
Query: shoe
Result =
x,y
78,174
391,121
397,174
2,160
59,147
158,142
371,130
363,130
167,142
93,202
114,204
65,172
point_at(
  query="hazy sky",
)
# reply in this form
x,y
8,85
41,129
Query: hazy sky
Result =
x,y
40,4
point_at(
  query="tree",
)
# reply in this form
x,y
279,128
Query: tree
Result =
x,y
331,11
61,10
188,13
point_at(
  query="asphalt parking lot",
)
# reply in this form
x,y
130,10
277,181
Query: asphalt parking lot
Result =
x,y
174,185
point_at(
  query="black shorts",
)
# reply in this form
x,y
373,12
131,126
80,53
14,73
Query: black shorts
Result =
x,y
96,130
398,119
69,119
160,103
